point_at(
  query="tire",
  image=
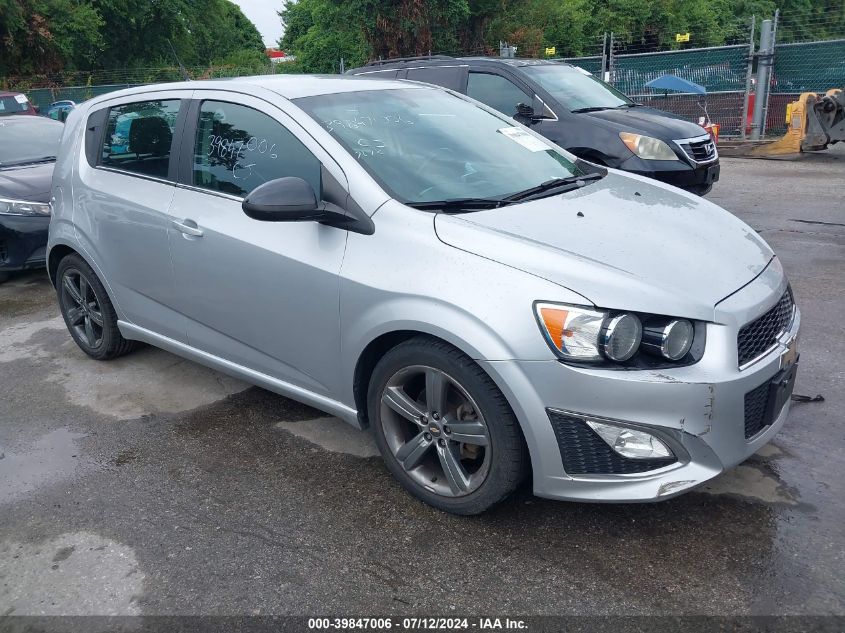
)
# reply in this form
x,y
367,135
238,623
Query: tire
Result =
x,y
93,322
4,277
477,430
700,190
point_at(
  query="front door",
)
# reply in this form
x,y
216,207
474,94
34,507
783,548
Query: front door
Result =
x,y
263,295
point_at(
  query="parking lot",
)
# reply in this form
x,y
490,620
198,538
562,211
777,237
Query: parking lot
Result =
x,y
150,485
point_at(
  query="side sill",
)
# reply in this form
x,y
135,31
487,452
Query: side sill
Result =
x,y
333,407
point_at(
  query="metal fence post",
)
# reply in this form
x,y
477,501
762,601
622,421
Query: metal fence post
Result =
x,y
764,66
603,70
748,73
771,61
609,78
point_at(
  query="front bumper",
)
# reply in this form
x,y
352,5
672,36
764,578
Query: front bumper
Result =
x,y
23,242
678,173
699,411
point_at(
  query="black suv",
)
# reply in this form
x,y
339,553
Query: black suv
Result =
x,y
575,110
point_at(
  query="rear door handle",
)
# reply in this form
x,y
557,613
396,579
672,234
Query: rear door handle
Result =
x,y
187,228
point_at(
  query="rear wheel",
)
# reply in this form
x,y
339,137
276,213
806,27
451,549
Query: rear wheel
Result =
x,y
88,313
443,427
700,190
4,277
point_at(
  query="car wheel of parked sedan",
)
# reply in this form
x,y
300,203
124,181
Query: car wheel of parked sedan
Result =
x,y
3,277
88,313
700,190
443,427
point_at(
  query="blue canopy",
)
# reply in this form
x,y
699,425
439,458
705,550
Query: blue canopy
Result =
x,y
676,84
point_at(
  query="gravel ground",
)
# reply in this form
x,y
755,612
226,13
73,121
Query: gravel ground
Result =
x,y
151,485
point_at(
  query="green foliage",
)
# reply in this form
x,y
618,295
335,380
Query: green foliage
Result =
x,y
46,36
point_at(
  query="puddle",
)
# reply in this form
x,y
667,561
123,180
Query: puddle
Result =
x,y
751,481
77,573
333,435
53,457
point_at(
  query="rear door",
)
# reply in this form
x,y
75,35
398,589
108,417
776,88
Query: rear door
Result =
x,y
121,211
264,295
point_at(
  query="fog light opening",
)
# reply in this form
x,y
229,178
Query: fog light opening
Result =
x,y
631,443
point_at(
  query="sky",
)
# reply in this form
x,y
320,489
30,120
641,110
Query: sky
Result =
x,y
263,15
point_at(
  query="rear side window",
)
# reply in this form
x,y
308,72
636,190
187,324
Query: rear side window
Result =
x,y
138,137
496,92
446,76
238,148
13,104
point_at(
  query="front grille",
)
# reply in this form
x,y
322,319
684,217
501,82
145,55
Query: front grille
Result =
x,y
700,151
584,452
760,335
755,410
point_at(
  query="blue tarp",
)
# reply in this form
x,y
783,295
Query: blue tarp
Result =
x,y
675,84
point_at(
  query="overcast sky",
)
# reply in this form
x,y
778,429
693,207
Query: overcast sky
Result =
x,y
263,15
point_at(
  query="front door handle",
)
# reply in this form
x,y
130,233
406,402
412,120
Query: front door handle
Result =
x,y
188,227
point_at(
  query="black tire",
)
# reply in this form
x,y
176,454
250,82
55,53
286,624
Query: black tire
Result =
x,y
700,190
108,343
4,277
508,463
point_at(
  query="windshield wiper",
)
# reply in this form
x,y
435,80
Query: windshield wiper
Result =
x,y
459,204
591,109
569,183
28,161
630,105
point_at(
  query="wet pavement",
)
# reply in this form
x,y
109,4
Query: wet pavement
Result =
x,y
150,485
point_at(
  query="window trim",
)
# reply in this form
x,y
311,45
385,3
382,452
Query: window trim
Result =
x,y
175,142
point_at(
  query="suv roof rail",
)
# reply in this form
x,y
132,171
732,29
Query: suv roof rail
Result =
x,y
419,58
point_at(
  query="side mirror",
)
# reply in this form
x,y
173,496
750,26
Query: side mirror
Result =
x,y
524,110
287,199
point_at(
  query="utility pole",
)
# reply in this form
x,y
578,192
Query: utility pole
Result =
x,y
764,67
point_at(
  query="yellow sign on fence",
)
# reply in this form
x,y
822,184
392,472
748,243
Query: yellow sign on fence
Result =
x,y
550,50
682,37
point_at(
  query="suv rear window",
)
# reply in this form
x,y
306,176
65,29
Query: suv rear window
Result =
x,y
138,137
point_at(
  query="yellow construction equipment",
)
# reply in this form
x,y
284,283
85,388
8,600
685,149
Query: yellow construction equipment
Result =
x,y
813,122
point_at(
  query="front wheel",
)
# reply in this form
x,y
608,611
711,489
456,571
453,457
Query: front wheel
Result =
x,y
444,429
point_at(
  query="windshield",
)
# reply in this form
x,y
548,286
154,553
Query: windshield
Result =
x,y
426,145
576,90
13,104
28,139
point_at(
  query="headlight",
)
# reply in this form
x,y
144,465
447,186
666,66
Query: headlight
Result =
x,y
669,338
23,207
620,337
647,147
580,334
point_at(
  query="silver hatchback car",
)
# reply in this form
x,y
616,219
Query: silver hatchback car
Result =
x,y
412,261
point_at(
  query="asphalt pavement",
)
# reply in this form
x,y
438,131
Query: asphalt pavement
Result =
x,y
151,485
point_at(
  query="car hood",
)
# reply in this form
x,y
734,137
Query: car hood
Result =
x,y
623,242
27,182
644,120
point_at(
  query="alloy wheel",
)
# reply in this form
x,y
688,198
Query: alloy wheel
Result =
x,y
82,308
435,431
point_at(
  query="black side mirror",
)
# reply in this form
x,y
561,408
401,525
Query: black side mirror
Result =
x,y
524,110
287,199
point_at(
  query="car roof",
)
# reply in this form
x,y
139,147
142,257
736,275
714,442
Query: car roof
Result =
x,y
288,86
6,93
27,118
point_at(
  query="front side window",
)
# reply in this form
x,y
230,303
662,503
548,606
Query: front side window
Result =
x,y
575,89
139,135
238,148
426,144
496,92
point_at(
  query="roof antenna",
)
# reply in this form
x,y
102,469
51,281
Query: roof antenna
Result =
x,y
185,74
